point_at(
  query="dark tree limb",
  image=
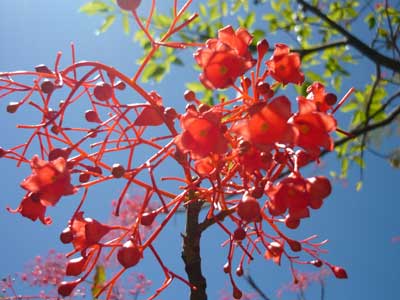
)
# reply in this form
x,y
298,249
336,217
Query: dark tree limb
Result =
x,y
191,251
255,286
362,130
318,48
354,41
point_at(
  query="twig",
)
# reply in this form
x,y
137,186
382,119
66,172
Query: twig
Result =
x,y
253,284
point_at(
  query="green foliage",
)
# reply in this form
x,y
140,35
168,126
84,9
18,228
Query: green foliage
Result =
x,y
96,7
99,279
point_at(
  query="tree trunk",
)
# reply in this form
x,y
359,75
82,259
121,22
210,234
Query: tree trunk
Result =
x,y
191,251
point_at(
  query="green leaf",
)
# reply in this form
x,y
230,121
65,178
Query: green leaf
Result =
x,y
359,161
125,23
99,279
344,168
95,7
359,185
203,9
224,8
250,19
106,24
195,87
370,20
177,61
153,71
351,105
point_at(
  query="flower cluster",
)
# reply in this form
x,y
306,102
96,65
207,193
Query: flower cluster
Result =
x,y
225,58
242,156
49,181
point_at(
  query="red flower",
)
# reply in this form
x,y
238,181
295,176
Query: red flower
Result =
x,y
323,100
202,134
87,232
226,58
291,193
49,180
267,124
274,252
252,159
31,208
314,127
284,66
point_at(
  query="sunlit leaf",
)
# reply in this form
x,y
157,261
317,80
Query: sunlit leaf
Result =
x,y
95,7
99,279
106,24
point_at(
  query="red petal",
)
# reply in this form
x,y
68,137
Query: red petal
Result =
x,y
149,117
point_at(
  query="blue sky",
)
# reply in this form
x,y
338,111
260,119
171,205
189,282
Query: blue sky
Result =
x,y
359,225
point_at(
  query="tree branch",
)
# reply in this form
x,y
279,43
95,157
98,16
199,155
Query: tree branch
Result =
x,y
305,52
369,52
362,130
253,284
219,217
191,251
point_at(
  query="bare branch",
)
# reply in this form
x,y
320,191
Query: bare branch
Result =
x,y
253,284
369,52
305,52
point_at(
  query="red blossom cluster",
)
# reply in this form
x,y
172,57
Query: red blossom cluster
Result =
x,y
242,156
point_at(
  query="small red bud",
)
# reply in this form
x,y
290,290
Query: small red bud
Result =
x,y
257,192
239,234
263,88
227,267
239,271
118,170
92,116
76,266
170,113
237,294
330,99
43,69
317,263
248,209
148,218
128,255
203,108
66,287
339,272
315,203
246,83
95,169
190,106
57,152
292,223
47,86
320,187
84,177
12,107
294,245
120,85
262,48
55,129
66,236
129,5
244,146
102,91
189,96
